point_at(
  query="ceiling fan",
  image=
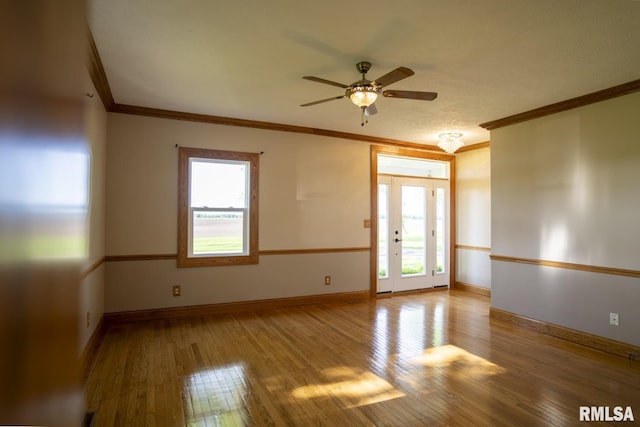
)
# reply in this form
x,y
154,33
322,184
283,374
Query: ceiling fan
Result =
x,y
364,93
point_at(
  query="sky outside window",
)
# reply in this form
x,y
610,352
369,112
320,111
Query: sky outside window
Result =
x,y
218,184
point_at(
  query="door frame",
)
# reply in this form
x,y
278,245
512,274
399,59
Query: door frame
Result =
x,y
429,278
419,154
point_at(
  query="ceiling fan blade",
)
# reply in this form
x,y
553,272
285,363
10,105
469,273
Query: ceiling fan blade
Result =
x,y
394,76
322,100
325,81
371,110
410,94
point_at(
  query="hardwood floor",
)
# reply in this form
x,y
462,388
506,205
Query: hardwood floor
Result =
x,y
423,359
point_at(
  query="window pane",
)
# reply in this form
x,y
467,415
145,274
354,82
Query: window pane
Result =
x,y
218,183
216,233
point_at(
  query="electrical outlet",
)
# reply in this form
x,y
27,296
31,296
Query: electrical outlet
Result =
x,y
327,280
614,319
177,291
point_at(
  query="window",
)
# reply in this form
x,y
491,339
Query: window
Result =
x,y
218,207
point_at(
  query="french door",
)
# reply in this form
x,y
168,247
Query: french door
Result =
x,y
413,240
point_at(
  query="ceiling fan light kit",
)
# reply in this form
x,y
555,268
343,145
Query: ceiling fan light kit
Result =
x,y
364,93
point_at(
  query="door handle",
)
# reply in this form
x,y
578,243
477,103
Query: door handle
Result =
x,y
398,240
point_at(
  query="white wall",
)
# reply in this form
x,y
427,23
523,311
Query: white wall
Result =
x,y
92,286
564,188
473,217
314,194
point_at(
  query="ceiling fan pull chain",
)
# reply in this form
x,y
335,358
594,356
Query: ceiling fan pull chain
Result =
x,y
363,119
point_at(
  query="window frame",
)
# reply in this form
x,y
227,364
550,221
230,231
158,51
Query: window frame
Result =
x,y
185,241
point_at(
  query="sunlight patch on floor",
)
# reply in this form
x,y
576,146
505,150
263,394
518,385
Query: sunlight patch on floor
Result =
x,y
451,356
215,397
354,387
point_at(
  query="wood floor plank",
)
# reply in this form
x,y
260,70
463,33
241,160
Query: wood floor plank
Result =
x,y
422,359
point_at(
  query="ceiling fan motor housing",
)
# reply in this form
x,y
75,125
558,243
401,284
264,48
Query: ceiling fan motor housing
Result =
x,y
363,67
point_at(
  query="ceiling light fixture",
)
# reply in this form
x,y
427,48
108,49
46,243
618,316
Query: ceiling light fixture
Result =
x,y
363,95
450,141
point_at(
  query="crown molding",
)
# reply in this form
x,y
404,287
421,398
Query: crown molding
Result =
x,y
98,76
230,121
569,104
472,147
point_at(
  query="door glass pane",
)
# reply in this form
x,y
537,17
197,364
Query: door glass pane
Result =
x,y
413,230
440,231
383,231
218,232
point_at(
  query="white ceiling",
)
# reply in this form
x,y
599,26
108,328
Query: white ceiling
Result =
x,y
245,58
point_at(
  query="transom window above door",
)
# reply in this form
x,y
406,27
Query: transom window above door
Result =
x,y
407,166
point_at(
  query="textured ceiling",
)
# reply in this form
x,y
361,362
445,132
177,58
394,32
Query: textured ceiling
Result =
x,y
244,59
